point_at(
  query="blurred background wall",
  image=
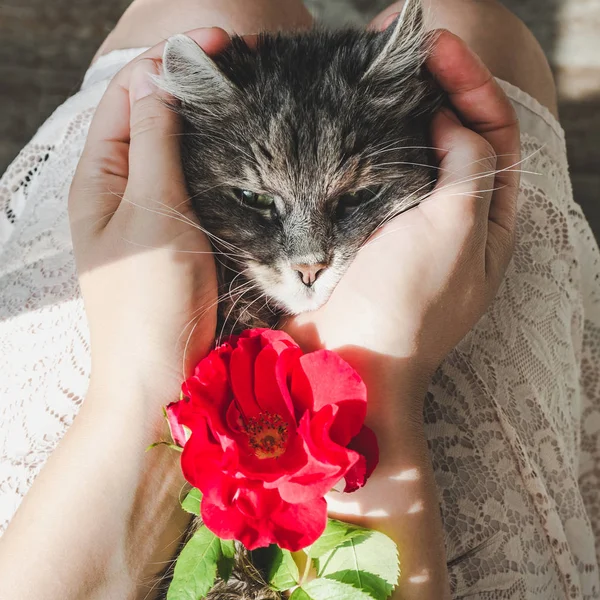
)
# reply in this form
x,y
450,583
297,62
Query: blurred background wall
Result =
x,y
46,45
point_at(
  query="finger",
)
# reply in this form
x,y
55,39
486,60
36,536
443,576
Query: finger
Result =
x,y
155,172
461,199
386,17
103,169
382,21
483,106
108,125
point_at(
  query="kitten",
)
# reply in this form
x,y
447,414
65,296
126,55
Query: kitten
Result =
x,y
296,150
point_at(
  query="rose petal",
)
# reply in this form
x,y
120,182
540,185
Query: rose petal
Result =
x,y
270,336
322,378
230,524
299,525
174,411
356,477
256,502
201,461
365,444
241,372
290,526
327,462
210,378
272,368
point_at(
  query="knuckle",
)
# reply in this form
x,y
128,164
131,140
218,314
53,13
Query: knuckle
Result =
x,y
485,152
478,149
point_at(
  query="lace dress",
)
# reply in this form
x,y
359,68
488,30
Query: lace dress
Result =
x,y
512,416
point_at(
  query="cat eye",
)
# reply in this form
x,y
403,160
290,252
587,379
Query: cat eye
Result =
x,y
348,203
260,201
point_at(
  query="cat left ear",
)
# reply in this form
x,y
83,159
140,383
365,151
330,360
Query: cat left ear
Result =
x,y
405,50
190,75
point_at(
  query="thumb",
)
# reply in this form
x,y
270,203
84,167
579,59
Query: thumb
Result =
x,y
461,198
155,172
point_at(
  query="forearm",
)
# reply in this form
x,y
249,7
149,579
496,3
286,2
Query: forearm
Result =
x,y
401,499
102,512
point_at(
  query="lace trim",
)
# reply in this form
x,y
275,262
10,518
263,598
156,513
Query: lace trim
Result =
x,y
534,106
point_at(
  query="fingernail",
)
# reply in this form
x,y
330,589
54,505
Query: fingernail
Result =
x,y
141,80
389,20
211,39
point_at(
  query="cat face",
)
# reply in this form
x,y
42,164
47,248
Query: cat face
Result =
x,y
297,150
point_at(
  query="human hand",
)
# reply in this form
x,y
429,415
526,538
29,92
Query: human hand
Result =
x,y
425,279
146,271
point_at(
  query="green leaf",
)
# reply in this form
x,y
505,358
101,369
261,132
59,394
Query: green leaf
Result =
x,y
328,589
196,567
167,444
299,594
283,573
335,533
368,562
191,503
227,560
375,586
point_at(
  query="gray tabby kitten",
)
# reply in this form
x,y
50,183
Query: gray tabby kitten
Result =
x,y
297,150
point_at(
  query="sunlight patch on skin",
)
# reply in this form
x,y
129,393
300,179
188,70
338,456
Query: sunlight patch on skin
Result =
x,y
422,578
342,507
377,513
415,508
408,475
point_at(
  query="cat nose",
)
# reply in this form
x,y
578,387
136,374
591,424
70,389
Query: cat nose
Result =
x,y
309,273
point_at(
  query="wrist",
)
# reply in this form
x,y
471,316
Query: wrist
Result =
x,y
396,387
387,366
133,381
396,390
147,519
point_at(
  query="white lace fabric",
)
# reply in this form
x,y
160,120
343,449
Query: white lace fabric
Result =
x,y
512,416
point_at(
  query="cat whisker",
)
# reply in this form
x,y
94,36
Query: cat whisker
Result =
x,y
187,343
216,137
196,320
185,219
411,164
191,223
157,212
220,337
212,252
478,195
178,216
392,148
205,231
204,309
230,292
245,311
205,190
410,203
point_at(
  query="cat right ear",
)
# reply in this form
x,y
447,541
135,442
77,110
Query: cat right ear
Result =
x,y
405,49
190,75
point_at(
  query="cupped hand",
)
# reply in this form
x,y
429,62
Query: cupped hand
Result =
x,y
146,271
424,280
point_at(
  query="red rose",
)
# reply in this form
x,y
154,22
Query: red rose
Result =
x,y
272,431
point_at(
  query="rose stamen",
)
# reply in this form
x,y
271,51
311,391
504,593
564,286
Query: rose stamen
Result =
x,y
268,435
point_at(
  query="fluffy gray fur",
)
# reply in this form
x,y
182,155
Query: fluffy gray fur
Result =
x,y
306,118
